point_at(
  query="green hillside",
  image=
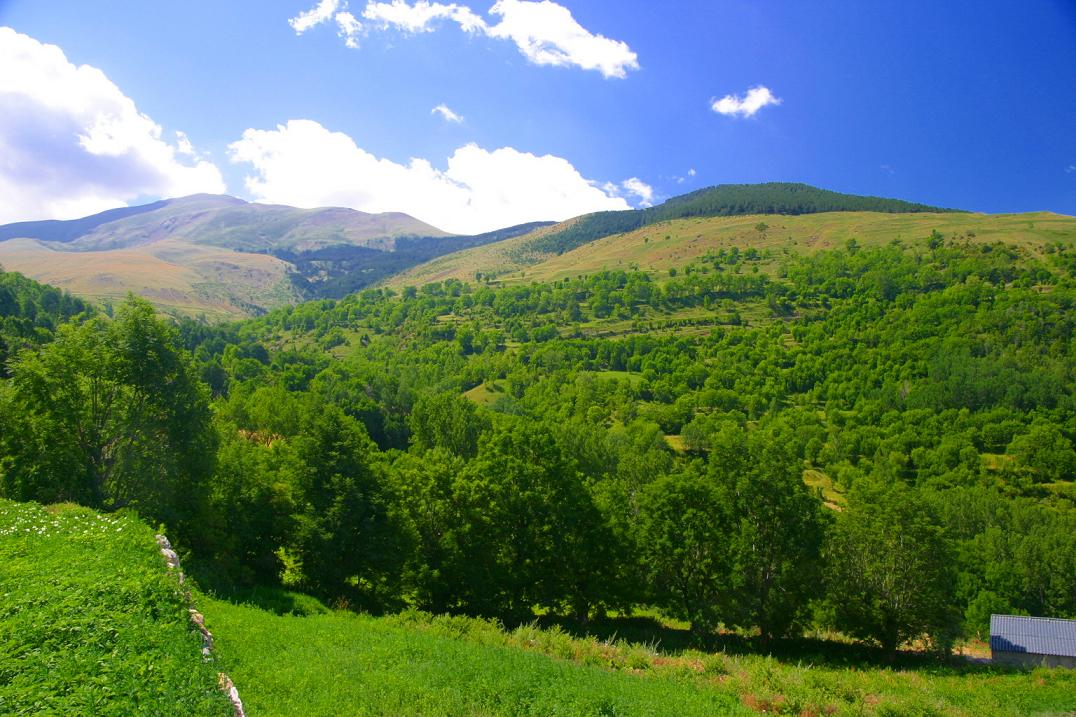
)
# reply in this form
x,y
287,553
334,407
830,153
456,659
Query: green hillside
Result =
x,y
720,201
655,248
91,623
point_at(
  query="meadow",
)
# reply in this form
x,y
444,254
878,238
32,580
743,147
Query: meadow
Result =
x,y
91,623
310,660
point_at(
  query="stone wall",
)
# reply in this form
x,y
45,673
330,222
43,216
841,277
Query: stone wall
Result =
x,y
198,621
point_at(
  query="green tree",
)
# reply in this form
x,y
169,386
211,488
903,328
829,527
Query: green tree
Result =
x,y
531,535
111,414
250,507
891,571
424,487
1045,452
684,526
346,536
777,528
446,420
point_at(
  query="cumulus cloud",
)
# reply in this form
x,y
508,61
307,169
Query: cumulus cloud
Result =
x,y
446,113
71,143
545,32
1070,169
303,164
747,105
638,188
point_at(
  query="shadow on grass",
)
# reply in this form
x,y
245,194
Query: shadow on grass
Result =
x,y
270,598
802,650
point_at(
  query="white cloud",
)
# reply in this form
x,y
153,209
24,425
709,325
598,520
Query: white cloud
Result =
x,y
348,26
691,172
420,16
445,112
71,143
349,29
746,106
638,188
1070,169
304,164
545,32
322,12
183,144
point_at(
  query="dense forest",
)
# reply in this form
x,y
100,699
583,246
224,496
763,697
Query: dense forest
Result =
x,y
874,440
720,201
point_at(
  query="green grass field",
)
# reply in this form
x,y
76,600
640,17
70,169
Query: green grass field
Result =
x,y
341,663
328,663
91,623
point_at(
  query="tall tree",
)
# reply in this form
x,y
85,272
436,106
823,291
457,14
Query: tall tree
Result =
x,y
111,414
346,536
777,528
684,526
891,571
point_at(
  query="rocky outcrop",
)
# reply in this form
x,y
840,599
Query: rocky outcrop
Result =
x,y
198,621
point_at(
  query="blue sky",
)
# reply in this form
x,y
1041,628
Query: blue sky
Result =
x,y
565,107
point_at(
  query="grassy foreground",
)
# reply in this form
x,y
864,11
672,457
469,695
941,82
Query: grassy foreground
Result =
x,y
342,663
90,621
329,663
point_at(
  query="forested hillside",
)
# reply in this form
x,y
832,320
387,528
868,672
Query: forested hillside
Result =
x,y
30,312
720,201
877,440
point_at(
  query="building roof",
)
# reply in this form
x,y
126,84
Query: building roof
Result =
x,y
1034,635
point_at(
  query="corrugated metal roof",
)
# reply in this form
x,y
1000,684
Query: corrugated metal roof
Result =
x,y
1035,635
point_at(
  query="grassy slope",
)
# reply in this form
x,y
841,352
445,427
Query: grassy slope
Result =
x,y
660,246
340,663
412,664
174,275
91,622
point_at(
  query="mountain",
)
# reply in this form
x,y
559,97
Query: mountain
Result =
x,y
224,257
225,222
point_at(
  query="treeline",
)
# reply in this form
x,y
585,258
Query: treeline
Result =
x,y
720,201
30,312
926,396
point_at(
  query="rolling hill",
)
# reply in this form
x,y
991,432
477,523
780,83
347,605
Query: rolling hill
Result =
x,y
678,235
218,255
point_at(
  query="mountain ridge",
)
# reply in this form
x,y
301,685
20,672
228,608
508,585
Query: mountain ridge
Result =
x,y
224,221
